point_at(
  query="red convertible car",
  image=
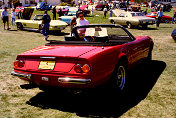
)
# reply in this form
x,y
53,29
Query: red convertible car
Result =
x,y
164,18
92,56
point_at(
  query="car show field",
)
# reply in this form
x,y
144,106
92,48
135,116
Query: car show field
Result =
x,y
152,86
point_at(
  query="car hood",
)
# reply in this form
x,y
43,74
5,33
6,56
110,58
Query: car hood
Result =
x,y
52,23
143,18
27,13
67,17
59,51
57,22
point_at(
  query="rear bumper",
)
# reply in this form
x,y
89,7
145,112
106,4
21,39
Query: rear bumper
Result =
x,y
21,75
61,80
73,80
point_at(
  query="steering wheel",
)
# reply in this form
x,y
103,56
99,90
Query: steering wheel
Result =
x,y
89,38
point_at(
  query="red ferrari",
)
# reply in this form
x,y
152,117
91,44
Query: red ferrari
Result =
x,y
92,56
164,18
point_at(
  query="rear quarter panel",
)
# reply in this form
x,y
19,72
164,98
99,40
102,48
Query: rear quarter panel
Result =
x,y
103,63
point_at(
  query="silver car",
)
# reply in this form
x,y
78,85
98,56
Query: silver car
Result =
x,y
132,19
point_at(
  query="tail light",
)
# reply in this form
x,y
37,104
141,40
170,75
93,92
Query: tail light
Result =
x,y
85,68
18,64
79,69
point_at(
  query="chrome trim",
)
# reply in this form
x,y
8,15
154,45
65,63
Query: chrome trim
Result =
x,y
47,57
23,75
73,80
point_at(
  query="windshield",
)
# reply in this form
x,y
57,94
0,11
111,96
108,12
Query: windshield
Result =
x,y
71,13
102,34
137,14
96,35
38,17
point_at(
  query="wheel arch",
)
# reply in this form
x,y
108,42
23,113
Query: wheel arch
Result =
x,y
122,58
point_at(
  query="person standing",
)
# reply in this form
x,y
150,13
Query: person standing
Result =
x,y
72,23
13,16
111,12
54,13
92,11
158,17
105,12
19,13
45,24
79,22
5,17
174,16
60,12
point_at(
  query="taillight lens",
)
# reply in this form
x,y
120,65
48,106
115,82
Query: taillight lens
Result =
x,y
85,68
18,64
79,69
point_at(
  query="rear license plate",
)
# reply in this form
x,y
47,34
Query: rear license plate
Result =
x,y
47,65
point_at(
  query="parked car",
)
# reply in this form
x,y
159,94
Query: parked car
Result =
x,y
174,34
103,55
131,19
167,7
67,18
153,3
35,22
145,4
122,6
43,6
134,8
101,7
84,10
63,11
164,18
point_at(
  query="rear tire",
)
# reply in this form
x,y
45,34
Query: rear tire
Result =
x,y
119,77
40,29
144,26
166,21
112,21
129,25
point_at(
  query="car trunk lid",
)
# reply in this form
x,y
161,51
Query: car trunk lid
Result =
x,y
59,58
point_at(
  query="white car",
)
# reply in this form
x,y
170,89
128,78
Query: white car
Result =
x,y
132,19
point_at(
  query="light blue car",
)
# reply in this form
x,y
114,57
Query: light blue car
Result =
x,y
68,17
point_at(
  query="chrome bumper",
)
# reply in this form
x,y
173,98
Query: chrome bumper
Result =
x,y
74,80
60,79
22,75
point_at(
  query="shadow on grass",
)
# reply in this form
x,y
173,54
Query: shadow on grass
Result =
x,y
148,28
102,102
54,33
12,30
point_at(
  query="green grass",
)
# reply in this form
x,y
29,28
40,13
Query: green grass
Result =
x,y
160,102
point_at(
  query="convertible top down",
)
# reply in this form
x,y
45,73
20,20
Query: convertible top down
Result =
x,y
92,56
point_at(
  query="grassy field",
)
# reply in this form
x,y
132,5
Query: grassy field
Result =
x,y
153,93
